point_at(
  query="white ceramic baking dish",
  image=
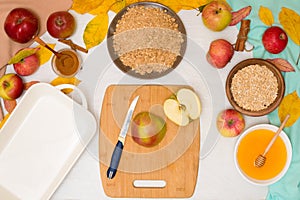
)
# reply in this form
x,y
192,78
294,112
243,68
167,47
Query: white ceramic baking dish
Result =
x,y
41,141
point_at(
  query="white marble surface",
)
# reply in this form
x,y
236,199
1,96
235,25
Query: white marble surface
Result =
x,y
217,179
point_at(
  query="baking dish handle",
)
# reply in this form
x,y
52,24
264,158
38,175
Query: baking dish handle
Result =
x,y
70,86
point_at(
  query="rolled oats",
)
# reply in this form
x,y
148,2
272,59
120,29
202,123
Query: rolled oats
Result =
x,y
147,39
254,87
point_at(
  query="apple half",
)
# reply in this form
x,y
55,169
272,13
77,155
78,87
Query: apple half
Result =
x,y
183,108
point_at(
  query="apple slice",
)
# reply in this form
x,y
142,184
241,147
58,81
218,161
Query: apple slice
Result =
x,y
190,101
184,108
175,112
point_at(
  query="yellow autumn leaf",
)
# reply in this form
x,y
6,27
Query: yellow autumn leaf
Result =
x,y
96,30
175,5
290,22
4,120
189,5
61,80
115,6
266,15
128,2
118,6
290,105
103,8
85,6
44,54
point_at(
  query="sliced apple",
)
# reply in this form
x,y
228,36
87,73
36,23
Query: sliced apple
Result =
x,y
190,101
184,108
175,112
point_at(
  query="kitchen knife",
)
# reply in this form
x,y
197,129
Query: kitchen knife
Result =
x,y
115,158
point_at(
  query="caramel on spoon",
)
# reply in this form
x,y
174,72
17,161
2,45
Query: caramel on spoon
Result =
x,y
63,58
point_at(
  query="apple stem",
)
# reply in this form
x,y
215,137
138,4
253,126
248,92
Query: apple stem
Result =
x,y
230,122
5,84
19,21
200,9
298,59
59,22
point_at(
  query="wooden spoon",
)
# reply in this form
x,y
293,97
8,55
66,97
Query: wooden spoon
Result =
x,y
44,44
261,159
61,57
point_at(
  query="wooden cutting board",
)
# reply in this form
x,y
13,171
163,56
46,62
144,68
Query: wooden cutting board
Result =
x,y
174,160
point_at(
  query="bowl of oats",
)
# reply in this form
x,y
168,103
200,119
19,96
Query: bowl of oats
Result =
x,y
146,40
255,87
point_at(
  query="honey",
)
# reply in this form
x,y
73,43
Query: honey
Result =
x,y
253,144
67,64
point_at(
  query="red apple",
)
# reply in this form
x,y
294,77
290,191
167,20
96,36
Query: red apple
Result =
x,y
216,15
220,53
27,65
21,25
274,39
230,123
61,24
148,129
11,86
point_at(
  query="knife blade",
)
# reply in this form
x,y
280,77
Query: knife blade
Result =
x,y
117,153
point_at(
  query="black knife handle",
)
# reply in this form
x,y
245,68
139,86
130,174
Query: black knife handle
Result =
x,y
115,160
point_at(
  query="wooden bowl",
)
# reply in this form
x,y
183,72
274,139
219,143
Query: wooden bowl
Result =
x,y
276,73
128,70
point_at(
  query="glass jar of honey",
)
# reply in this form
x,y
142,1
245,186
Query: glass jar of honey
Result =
x,y
67,63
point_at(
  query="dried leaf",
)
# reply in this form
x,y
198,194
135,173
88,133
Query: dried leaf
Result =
x,y
85,6
10,105
22,54
193,4
27,85
239,15
61,80
44,54
96,30
290,105
266,16
118,6
4,120
282,64
290,22
128,2
115,6
184,4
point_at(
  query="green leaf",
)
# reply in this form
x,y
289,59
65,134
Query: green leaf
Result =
x,y
22,54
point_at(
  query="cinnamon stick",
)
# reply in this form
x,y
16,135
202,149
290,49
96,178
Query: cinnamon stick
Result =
x,y
73,45
242,35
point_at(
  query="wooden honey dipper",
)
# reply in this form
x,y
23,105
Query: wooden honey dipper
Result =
x,y
261,159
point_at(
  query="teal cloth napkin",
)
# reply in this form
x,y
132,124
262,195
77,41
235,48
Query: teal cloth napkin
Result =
x,y
287,188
